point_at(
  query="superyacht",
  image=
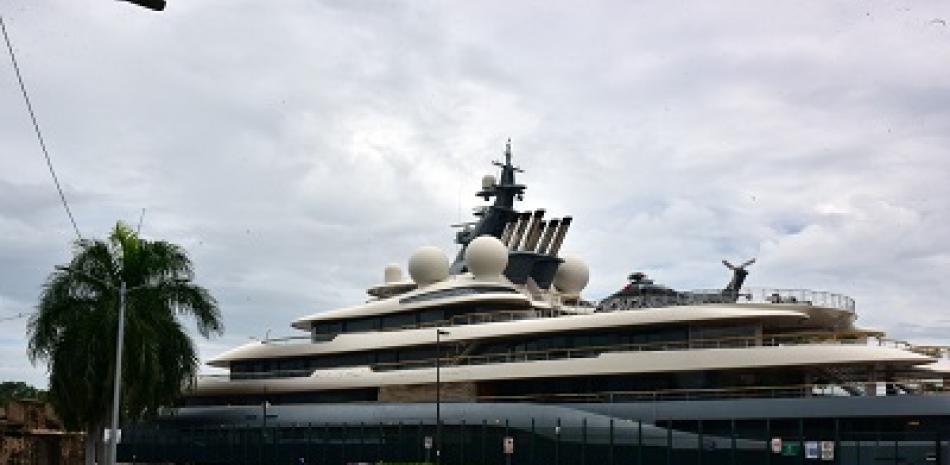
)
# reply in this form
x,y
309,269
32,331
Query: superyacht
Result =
x,y
502,331
505,321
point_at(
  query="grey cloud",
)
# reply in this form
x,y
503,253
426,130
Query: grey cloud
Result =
x,y
298,148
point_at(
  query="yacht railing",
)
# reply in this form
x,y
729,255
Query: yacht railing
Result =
x,y
458,320
789,339
651,299
914,387
769,340
698,297
797,296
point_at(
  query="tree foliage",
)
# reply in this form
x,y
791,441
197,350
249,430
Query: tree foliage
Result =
x,y
18,390
74,329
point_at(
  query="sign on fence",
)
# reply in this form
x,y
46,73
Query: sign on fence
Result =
x,y
827,450
776,445
790,449
509,445
427,442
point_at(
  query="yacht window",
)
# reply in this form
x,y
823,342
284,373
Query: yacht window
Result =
x,y
386,356
455,292
399,320
722,332
361,325
430,316
333,327
422,353
291,364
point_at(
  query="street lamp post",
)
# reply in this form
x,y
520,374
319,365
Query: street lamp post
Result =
x,y
117,381
438,394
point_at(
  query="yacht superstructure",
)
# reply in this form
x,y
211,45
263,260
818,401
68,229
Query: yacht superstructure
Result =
x,y
512,326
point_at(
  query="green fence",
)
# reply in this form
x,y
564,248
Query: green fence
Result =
x,y
548,442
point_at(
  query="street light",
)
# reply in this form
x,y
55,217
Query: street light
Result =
x,y
117,382
438,394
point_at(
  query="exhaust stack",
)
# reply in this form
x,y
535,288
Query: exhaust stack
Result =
x,y
548,234
531,239
559,236
523,219
506,233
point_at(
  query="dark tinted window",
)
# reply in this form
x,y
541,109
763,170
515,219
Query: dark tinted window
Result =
x,y
446,293
430,316
361,325
399,320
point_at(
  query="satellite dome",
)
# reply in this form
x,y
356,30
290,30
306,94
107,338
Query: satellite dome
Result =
x,y
486,257
488,181
428,265
392,274
572,275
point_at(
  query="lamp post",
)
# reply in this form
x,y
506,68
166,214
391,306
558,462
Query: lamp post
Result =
x,y
117,381
438,393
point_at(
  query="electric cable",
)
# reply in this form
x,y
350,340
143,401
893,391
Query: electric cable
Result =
x,y
17,316
36,127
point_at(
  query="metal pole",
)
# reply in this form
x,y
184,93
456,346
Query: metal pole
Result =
x,y
438,397
117,382
438,394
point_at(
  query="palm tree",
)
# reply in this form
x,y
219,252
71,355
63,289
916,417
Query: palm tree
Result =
x,y
74,329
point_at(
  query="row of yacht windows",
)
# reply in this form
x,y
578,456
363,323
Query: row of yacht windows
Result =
x,y
456,292
644,339
653,383
648,383
412,319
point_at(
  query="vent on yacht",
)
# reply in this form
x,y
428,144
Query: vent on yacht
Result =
x,y
559,236
531,239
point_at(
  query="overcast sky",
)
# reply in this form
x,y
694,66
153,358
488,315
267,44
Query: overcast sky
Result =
x,y
297,147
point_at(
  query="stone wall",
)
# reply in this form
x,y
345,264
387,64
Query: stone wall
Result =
x,y
31,434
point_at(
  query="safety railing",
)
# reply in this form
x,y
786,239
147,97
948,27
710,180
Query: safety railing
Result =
x,y
630,300
797,296
874,389
773,340
595,351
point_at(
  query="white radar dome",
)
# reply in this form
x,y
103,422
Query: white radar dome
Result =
x,y
392,274
488,181
428,265
486,257
572,275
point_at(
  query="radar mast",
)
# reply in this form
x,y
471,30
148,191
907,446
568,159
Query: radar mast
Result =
x,y
496,216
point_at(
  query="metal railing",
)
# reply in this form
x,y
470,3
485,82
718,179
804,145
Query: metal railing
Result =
x,y
788,339
632,300
697,297
800,296
457,320
771,340
899,388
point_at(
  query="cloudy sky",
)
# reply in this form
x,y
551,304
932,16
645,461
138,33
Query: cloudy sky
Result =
x,y
297,147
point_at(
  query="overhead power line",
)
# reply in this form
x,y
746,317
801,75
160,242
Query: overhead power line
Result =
x,y
17,316
36,127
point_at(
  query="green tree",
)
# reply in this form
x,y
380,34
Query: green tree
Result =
x,y
74,329
17,390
